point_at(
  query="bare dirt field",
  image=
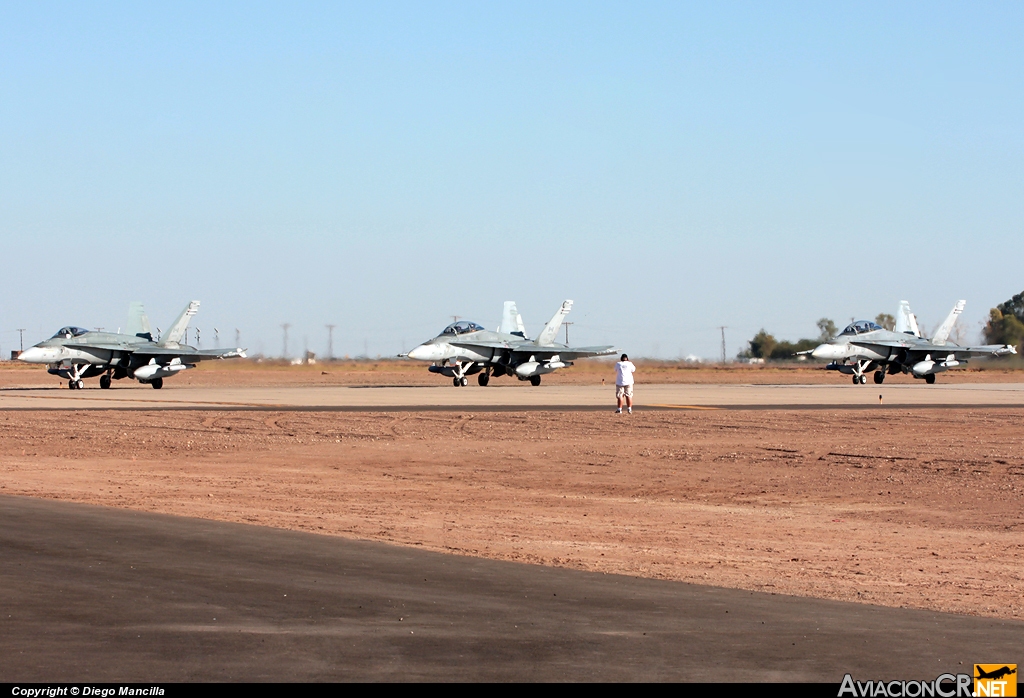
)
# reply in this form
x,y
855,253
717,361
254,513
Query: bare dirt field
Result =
x,y
586,372
917,508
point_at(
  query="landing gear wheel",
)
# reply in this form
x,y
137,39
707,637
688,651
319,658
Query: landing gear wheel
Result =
x,y
455,382
535,380
856,380
80,384
158,383
463,381
930,379
879,377
863,379
483,379
72,384
105,381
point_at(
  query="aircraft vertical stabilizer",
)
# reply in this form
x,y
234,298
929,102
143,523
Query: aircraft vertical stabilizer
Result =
x,y
942,334
906,321
508,318
547,335
512,321
178,327
138,321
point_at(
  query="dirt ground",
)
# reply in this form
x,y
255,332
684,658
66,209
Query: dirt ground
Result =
x,y
917,508
584,372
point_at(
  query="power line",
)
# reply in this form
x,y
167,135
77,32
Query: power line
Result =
x,y
330,341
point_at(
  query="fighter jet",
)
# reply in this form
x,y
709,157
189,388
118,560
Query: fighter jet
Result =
x,y
74,353
464,348
864,346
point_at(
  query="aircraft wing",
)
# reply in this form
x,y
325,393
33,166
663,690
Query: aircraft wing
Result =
x,y
105,346
189,354
963,352
564,353
893,344
923,348
485,345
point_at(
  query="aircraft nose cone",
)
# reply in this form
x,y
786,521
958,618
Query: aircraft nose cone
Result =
x,y
36,355
827,351
424,352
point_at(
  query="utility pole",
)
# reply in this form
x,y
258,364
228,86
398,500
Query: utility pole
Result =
x,y
21,338
723,328
330,342
216,337
238,338
455,318
567,332
285,327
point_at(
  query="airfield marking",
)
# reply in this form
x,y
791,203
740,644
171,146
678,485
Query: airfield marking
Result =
x,y
683,407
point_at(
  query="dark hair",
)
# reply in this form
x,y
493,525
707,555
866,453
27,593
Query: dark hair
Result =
x,y
624,358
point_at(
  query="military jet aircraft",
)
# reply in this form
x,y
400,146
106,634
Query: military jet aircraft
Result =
x,y
464,348
864,346
74,353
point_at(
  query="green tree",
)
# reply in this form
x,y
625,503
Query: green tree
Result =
x,y
1014,306
886,321
787,351
826,330
1004,329
762,345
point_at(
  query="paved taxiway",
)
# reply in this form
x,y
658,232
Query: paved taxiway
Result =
x,y
96,594
558,397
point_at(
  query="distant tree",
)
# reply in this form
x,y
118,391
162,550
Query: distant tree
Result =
x,y
886,320
826,329
762,345
1006,323
784,350
1004,329
1014,306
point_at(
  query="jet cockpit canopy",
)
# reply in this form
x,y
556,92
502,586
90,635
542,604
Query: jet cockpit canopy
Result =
x,y
69,332
860,327
461,327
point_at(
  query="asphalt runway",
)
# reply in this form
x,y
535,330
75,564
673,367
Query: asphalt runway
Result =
x,y
517,397
98,594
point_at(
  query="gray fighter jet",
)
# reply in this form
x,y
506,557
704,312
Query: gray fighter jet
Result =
x,y
864,346
75,354
465,348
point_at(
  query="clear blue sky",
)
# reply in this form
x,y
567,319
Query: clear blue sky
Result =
x,y
382,166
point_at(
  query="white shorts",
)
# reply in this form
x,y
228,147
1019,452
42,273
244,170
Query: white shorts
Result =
x,y
622,391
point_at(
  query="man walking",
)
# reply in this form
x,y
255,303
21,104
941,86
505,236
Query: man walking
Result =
x,y
624,384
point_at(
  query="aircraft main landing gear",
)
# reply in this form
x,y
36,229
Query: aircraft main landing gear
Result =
x,y
157,383
930,379
879,377
105,381
483,379
534,380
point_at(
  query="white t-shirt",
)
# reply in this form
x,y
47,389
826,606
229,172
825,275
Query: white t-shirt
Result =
x,y
624,373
